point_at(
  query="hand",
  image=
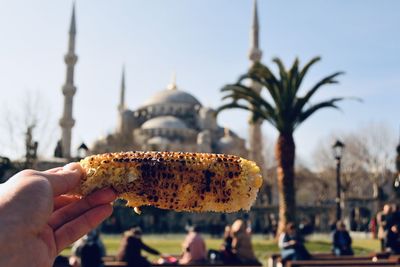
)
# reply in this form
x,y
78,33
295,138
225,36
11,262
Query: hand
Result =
x,y
292,242
37,221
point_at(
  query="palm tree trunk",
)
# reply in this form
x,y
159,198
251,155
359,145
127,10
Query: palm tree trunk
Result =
x,y
285,154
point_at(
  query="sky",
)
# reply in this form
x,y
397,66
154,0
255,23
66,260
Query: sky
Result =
x,y
206,43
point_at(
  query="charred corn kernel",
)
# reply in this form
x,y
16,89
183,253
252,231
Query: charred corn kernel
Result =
x,y
175,180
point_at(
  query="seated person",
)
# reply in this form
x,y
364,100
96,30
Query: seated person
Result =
x,y
241,243
88,251
194,248
292,245
131,247
341,240
393,240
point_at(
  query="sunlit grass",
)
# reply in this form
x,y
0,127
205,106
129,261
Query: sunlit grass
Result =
x,y
171,244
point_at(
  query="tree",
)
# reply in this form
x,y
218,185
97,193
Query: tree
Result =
x,y
285,111
33,112
367,161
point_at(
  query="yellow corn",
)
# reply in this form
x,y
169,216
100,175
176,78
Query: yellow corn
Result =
x,y
175,180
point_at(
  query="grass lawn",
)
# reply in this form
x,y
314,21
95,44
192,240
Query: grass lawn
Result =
x,y
171,244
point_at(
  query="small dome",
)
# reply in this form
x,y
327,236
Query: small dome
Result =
x,y
172,96
164,122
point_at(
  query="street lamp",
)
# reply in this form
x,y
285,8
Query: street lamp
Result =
x,y
338,153
396,182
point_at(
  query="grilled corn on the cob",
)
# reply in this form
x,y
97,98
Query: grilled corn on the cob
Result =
x,y
175,180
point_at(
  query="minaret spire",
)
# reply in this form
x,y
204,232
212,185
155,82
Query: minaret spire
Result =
x,y
255,130
121,106
72,27
69,90
255,52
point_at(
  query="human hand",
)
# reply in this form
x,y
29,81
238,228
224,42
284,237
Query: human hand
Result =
x,y
37,221
292,242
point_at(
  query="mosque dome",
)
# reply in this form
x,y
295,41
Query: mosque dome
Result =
x,y
172,95
164,122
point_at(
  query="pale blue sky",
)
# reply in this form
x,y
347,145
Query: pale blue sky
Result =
x,y
206,42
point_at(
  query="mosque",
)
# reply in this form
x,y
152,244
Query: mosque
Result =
x,y
170,120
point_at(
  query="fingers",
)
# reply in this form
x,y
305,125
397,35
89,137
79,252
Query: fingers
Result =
x,y
64,200
64,179
81,225
75,209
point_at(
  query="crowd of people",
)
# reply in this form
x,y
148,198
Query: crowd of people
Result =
x,y
56,220
291,243
387,222
236,248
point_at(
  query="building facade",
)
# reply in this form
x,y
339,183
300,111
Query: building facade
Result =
x,y
171,120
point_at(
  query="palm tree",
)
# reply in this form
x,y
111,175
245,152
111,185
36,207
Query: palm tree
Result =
x,y
285,111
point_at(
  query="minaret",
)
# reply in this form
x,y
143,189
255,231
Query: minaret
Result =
x,y
255,133
255,52
121,105
68,89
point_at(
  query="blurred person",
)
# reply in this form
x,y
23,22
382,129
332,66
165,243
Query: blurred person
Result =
x,y
227,254
40,220
341,240
393,240
88,251
131,247
194,248
306,227
61,261
383,220
395,215
292,245
241,243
